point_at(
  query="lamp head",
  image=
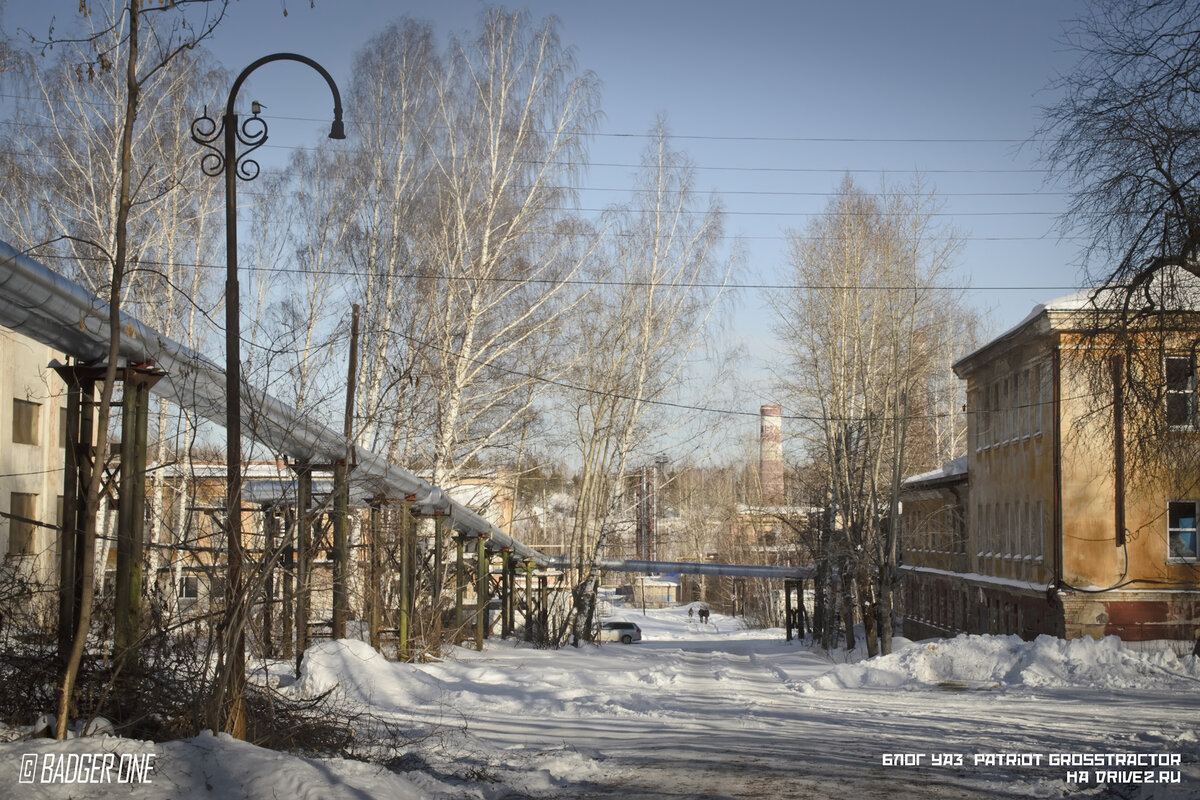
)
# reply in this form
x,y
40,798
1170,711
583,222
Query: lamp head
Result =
x,y
337,130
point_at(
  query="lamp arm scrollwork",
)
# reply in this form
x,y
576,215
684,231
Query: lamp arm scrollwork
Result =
x,y
208,132
251,133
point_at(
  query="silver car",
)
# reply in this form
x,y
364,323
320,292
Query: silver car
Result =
x,y
624,632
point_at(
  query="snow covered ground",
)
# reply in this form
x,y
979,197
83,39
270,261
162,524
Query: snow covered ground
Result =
x,y
709,712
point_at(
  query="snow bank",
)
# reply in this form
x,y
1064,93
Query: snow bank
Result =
x,y
1010,662
216,766
694,710
358,672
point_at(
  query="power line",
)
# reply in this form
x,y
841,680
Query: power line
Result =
x,y
811,418
690,166
722,192
699,137
134,264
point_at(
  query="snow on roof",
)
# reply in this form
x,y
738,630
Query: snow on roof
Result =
x,y
1170,288
956,466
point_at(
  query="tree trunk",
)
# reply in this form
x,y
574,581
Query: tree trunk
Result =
x,y
87,584
846,579
867,604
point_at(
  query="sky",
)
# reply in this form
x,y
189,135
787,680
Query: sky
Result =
x,y
774,101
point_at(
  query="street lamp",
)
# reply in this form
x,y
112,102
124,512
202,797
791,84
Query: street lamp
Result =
x,y
252,133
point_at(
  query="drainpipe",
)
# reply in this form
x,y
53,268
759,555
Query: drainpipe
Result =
x,y
1056,408
1118,378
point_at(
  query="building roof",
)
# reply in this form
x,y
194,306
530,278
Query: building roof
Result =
x,y
1067,304
1171,288
952,471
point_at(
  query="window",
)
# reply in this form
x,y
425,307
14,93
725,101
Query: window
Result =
x,y
189,587
1040,396
1039,538
1024,534
25,422
993,546
994,429
1023,403
1020,407
1005,413
960,533
985,418
980,405
1181,530
1181,391
1009,529
980,528
20,531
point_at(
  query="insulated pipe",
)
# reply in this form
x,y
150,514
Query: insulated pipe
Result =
x,y
45,306
689,568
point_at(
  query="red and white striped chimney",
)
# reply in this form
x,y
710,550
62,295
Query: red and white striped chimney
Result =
x,y
770,453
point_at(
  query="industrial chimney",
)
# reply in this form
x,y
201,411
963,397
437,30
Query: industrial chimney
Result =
x,y
770,454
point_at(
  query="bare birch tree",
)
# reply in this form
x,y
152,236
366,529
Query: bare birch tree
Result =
x,y
1124,138
863,332
500,255
305,283
660,267
393,94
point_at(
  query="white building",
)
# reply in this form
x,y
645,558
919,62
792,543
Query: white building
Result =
x,y
32,418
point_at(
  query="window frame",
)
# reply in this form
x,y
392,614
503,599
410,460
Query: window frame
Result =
x,y
1188,392
19,530
26,421
1040,396
189,587
1172,530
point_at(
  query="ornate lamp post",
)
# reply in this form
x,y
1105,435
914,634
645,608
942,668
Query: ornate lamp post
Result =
x,y
230,692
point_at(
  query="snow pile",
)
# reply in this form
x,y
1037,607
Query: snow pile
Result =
x,y
1010,662
356,671
212,766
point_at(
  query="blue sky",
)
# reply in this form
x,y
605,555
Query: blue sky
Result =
x,y
774,101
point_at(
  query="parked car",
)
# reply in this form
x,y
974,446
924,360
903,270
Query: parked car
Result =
x,y
624,632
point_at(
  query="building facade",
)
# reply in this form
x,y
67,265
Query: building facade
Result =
x,y
1045,530
31,457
